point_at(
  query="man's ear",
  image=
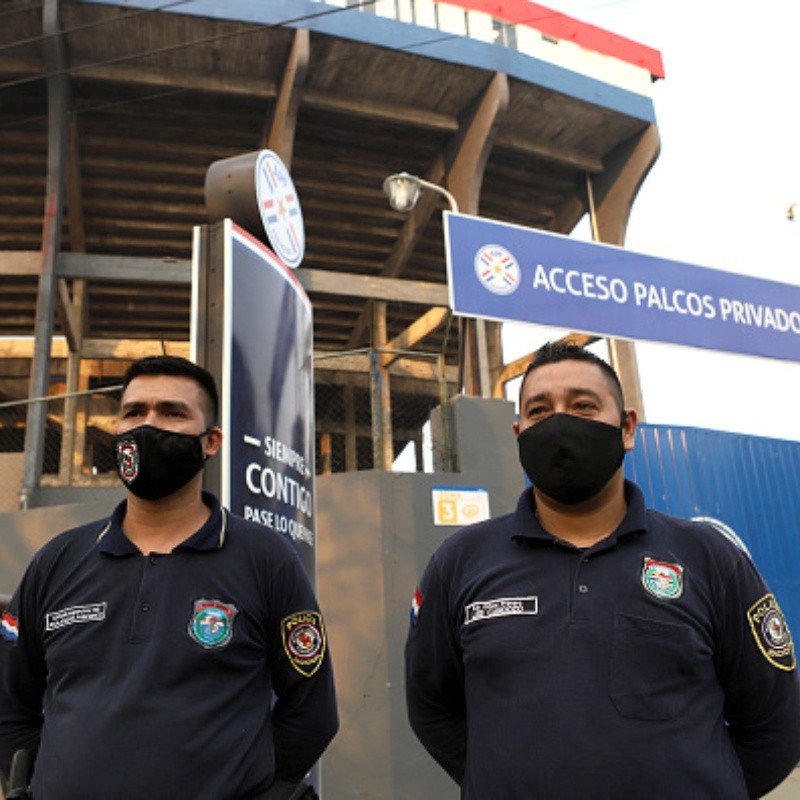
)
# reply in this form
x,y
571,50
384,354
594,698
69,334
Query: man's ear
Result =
x,y
629,428
515,428
214,441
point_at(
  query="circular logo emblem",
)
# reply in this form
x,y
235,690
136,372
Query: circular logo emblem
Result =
x,y
211,624
497,270
128,460
662,579
775,629
280,209
305,641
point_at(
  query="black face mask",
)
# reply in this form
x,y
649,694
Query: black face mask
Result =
x,y
154,463
570,458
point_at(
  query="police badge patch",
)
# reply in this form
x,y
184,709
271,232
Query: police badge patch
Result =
x,y
771,633
211,624
303,636
662,579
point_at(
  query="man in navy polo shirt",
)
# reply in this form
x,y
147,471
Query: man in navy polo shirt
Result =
x,y
587,647
172,650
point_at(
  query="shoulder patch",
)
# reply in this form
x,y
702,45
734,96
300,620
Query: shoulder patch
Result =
x,y
771,633
303,636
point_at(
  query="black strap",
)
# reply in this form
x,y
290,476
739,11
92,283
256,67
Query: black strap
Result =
x,y
283,791
20,775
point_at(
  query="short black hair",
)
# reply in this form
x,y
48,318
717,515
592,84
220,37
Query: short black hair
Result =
x,y
553,352
182,368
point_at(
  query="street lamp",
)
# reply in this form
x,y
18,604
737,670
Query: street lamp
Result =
x,y
403,191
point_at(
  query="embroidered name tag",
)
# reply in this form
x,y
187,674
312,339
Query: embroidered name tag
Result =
x,y
501,607
91,612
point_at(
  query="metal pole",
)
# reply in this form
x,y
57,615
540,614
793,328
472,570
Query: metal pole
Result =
x,y
58,101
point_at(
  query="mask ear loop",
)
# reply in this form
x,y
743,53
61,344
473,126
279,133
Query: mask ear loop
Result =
x,y
623,418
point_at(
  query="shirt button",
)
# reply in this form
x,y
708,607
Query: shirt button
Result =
x,y
153,560
583,588
145,606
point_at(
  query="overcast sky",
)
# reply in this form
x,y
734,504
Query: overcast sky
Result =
x,y
717,196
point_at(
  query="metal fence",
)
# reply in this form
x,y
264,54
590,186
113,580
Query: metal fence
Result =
x,y
77,441
373,411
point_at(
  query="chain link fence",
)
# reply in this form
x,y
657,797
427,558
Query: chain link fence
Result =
x,y
77,441
374,410
382,409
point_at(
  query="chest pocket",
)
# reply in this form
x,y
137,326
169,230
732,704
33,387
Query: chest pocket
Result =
x,y
653,667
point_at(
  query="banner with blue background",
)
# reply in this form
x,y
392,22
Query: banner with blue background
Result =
x,y
515,274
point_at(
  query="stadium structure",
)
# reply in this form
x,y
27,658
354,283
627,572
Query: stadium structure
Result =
x,y
111,114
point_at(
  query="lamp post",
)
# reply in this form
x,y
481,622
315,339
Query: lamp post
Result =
x,y
403,191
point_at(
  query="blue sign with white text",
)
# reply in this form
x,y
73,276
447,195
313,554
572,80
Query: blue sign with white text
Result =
x,y
269,395
514,274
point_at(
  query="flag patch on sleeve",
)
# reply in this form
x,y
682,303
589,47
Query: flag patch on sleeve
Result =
x,y
416,605
9,628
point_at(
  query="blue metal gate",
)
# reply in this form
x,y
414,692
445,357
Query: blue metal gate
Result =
x,y
749,483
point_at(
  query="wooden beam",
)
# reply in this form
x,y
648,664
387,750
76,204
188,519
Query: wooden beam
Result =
x,y
416,332
132,349
258,88
371,109
466,156
570,159
123,268
100,349
20,262
165,270
468,152
518,366
380,394
280,136
413,228
72,317
341,365
214,83
380,288
74,191
69,319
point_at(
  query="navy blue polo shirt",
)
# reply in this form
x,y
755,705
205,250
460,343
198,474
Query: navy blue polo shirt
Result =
x,y
654,662
157,674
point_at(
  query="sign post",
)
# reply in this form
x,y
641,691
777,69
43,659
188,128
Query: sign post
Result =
x,y
258,342
252,327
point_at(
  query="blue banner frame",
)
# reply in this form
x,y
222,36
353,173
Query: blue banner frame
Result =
x,y
514,274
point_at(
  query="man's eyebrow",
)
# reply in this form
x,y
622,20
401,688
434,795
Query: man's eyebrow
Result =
x,y
571,393
160,405
580,390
